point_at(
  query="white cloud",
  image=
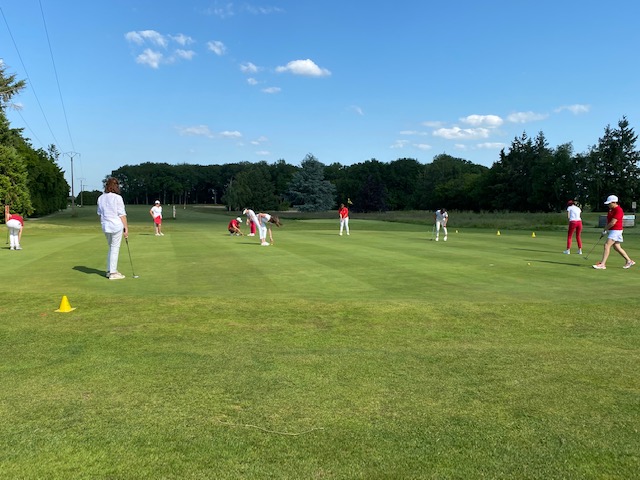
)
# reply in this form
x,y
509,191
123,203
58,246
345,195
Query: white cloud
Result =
x,y
228,134
217,47
576,109
182,39
150,58
252,81
263,153
196,131
399,144
490,121
259,140
457,133
356,109
272,90
249,68
491,145
185,54
304,67
422,146
262,10
525,117
147,36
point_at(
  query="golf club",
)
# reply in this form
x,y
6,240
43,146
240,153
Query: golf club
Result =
x,y
130,261
433,232
594,246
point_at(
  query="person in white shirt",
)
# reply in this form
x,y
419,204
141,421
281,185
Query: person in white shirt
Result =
x,y
113,218
156,214
575,225
441,217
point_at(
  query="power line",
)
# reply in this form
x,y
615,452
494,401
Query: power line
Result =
x,y
28,79
64,111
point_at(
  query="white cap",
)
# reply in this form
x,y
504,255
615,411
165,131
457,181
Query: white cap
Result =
x,y
239,219
610,199
244,211
157,201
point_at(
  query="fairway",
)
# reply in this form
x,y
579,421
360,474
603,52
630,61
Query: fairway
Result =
x,y
382,354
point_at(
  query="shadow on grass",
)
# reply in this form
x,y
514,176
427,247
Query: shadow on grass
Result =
x,y
560,263
88,270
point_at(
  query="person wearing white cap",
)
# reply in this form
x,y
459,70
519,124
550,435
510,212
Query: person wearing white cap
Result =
x,y
252,218
234,226
614,238
156,214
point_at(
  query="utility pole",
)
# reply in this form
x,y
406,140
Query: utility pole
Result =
x,y
73,197
81,191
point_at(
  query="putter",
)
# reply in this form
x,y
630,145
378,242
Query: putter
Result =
x,y
594,246
433,232
130,261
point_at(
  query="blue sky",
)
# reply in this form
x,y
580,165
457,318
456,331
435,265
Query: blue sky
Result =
x,y
117,82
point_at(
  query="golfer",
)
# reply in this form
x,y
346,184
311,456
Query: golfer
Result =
x,y
343,213
252,219
614,226
441,217
575,225
15,224
234,227
156,214
263,220
113,219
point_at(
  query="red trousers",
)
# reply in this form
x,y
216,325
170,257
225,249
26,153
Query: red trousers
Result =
x,y
574,226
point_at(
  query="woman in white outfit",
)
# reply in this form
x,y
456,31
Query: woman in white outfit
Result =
x,y
253,219
264,219
441,217
113,218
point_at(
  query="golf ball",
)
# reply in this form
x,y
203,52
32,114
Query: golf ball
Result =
x,y
528,264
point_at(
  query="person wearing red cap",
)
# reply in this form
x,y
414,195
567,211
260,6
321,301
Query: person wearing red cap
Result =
x,y
575,225
614,238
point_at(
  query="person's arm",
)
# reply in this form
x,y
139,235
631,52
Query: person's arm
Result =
x,y
151,213
20,234
125,231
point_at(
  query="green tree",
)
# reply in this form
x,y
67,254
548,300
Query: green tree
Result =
x,y
308,190
613,166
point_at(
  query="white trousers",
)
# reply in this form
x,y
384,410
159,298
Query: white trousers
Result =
x,y
438,225
344,223
113,240
14,232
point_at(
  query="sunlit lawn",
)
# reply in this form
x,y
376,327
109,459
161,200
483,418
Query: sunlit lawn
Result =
x,y
379,355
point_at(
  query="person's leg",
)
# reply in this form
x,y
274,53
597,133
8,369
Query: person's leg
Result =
x,y
13,237
160,228
607,250
579,236
437,230
346,224
444,229
572,228
618,248
114,250
341,225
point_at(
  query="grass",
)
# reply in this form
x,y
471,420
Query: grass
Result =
x,y
378,355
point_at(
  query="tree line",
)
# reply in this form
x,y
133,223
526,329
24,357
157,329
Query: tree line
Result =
x,y
529,176
31,181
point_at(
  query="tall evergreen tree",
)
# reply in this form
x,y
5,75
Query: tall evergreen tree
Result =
x,y
308,190
613,166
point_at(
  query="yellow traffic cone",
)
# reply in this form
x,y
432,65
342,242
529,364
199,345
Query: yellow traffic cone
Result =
x,y
498,234
65,307
533,235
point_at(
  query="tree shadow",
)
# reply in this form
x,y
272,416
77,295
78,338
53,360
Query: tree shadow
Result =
x,y
88,270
